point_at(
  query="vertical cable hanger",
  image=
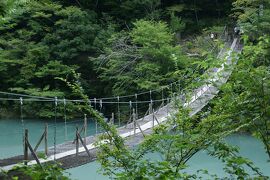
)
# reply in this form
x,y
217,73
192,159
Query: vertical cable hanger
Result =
x,y
100,109
65,118
136,105
118,111
95,106
22,121
130,109
95,103
54,138
100,105
162,95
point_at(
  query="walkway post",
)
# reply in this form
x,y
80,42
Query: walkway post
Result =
x,y
22,121
77,141
25,146
134,121
152,112
46,139
136,110
95,105
118,109
85,128
96,126
168,102
65,118
112,120
54,138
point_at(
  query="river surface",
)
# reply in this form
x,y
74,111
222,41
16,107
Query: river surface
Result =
x,y
250,147
11,145
11,133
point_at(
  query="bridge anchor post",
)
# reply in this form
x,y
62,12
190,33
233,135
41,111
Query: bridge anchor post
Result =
x,y
85,128
25,146
134,121
77,141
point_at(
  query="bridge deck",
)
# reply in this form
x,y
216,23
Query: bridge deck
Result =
x,y
66,153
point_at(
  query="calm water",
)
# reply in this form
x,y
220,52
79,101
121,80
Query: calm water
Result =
x,y
11,145
11,134
249,147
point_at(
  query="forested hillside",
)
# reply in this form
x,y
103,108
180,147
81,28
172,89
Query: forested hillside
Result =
x,y
116,47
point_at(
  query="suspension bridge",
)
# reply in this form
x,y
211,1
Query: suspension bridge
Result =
x,y
82,149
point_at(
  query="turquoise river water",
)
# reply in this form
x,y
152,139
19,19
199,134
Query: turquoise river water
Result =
x,y
11,145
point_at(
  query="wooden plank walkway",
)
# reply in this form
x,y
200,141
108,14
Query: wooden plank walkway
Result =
x,y
66,152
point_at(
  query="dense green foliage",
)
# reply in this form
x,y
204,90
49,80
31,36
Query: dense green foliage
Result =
x,y
143,59
35,172
45,40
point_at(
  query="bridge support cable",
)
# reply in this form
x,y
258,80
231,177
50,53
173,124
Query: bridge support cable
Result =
x,y
136,105
152,112
130,114
112,119
22,120
55,118
85,128
134,121
118,111
65,118
96,123
168,102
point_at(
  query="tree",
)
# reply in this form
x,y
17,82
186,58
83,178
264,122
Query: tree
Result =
x,y
253,17
180,138
245,98
143,59
43,41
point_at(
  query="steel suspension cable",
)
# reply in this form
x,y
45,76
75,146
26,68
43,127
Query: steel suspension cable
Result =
x,y
65,118
54,138
22,120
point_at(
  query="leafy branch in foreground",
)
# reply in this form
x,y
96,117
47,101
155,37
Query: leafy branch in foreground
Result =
x,y
176,141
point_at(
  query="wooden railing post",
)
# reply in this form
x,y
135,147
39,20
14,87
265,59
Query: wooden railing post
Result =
x,y
134,121
168,102
25,146
85,128
112,120
84,145
46,139
151,111
77,141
